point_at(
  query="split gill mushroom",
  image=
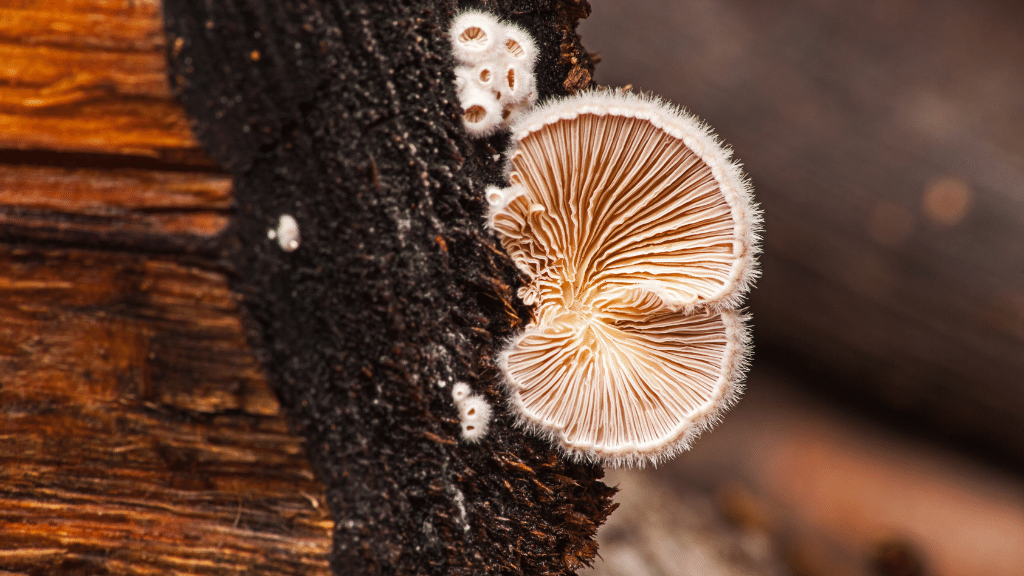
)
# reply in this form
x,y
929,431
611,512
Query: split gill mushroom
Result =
x,y
638,234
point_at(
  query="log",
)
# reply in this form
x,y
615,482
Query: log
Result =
x,y
343,116
138,434
89,76
115,208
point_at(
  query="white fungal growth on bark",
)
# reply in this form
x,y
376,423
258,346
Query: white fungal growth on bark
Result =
x,y
474,412
481,112
494,78
639,235
519,45
460,392
516,84
475,36
287,233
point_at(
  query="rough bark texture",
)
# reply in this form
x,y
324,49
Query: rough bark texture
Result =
x,y
343,115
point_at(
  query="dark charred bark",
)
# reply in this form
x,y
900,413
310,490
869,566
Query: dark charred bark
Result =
x,y
343,115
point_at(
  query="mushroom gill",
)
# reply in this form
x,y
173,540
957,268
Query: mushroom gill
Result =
x,y
638,234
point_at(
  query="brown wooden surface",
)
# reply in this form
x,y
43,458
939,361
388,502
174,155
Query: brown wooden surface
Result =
x,y
137,434
88,76
125,206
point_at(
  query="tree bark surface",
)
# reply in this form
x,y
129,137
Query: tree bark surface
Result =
x,y
343,115
139,434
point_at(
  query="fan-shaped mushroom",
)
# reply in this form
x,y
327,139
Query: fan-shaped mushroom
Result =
x,y
638,234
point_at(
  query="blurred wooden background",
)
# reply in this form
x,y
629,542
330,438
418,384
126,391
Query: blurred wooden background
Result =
x,y
885,140
137,435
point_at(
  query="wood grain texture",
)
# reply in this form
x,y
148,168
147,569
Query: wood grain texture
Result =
x,y
137,435
137,432
87,76
114,207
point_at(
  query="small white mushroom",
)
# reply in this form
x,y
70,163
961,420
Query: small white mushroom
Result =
x,y
475,36
474,409
638,234
515,84
484,75
495,196
474,412
495,80
519,46
460,392
481,111
287,233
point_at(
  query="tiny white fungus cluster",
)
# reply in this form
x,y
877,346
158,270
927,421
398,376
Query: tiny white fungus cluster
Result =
x,y
287,233
474,412
494,78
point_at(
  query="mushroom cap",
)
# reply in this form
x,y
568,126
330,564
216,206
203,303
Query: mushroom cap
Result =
x,y
485,75
460,391
481,111
475,410
476,36
620,190
515,82
639,236
287,233
518,46
627,392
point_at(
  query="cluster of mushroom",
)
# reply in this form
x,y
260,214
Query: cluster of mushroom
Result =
x,y
639,235
494,78
474,412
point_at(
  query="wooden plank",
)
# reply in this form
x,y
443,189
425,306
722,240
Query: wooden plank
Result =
x,y
127,207
137,432
137,435
117,25
87,77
